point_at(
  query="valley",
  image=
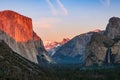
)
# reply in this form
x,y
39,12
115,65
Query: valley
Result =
x,y
94,55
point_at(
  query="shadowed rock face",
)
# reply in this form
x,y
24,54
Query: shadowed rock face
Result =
x,y
15,67
96,49
16,30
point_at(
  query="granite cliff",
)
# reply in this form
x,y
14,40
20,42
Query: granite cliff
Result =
x,y
96,49
17,31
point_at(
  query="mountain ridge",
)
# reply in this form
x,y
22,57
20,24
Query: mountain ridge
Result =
x,y
94,47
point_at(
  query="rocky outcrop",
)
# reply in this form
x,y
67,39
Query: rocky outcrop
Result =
x,y
113,28
74,50
16,30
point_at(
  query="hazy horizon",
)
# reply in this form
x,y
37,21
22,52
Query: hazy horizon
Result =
x,y
57,19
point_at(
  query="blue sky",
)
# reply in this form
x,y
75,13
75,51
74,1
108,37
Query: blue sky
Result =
x,y
57,19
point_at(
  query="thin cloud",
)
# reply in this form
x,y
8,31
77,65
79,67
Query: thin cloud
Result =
x,y
64,10
46,22
105,2
108,2
54,11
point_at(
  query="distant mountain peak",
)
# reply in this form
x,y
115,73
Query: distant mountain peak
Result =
x,y
51,44
96,30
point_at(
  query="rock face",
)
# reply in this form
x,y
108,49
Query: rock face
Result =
x,y
113,31
96,49
17,26
113,28
15,67
73,51
16,30
116,52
